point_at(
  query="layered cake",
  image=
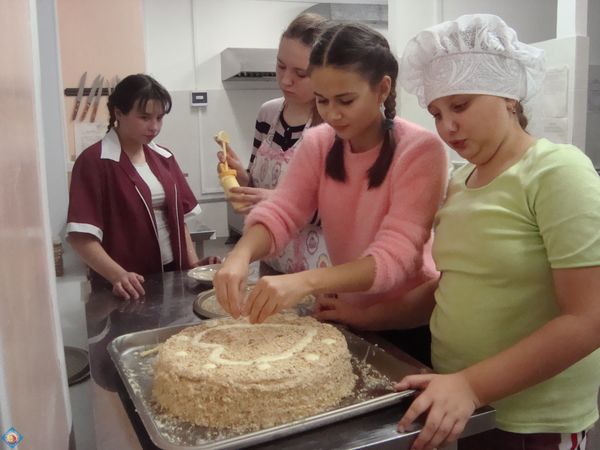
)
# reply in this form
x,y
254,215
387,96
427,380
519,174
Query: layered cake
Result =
x,y
230,374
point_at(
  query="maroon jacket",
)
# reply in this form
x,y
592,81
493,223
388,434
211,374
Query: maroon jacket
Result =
x,y
109,200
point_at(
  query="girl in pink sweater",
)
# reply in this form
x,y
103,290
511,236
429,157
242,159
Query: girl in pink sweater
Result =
x,y
377,181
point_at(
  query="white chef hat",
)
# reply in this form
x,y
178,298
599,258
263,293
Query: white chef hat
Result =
x,y
474,54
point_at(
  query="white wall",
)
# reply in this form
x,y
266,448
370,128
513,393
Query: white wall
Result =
x,y
533,20
402,27
183,39
169,42
571,53
183,42
236,23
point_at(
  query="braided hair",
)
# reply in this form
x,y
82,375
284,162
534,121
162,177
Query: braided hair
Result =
x,y
136,88
358,48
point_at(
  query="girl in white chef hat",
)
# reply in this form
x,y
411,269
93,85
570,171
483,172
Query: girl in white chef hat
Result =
x,y
516,322
516,316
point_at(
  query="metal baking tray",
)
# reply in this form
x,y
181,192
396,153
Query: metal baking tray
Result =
x,y
207,306
133,357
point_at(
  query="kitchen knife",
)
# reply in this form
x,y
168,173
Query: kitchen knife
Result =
x,y
90,97
97,98
79,96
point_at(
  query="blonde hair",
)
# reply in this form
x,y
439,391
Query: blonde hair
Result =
x,y
305,28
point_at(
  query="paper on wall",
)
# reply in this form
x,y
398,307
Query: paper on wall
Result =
x,y
555,129
548,112
86,134
554,96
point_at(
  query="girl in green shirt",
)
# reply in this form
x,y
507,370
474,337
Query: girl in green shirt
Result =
x,y
515,318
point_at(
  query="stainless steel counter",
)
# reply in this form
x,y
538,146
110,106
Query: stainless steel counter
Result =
x,y
168,301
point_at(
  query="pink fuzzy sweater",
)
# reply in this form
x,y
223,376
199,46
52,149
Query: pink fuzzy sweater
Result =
x,y
392,222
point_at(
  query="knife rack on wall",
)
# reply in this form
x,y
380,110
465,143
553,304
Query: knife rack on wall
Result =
x,y
72,92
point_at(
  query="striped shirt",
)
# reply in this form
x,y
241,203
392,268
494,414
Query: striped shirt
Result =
x,y
285,136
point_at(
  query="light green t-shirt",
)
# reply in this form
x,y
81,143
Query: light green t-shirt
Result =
x,y
496,247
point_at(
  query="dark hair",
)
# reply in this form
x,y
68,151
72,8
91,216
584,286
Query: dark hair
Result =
x,y
140,88
521,117
306,28
358,48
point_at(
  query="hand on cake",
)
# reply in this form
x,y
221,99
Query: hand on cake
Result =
x,y
230,284
274,293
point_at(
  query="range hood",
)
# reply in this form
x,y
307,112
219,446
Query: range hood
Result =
x,y
249,68
373,12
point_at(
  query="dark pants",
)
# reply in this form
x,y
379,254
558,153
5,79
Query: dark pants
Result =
x,y
416,342
169,267
504,440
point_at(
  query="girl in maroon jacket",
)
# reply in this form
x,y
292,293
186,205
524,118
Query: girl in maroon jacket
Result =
x,y
129,200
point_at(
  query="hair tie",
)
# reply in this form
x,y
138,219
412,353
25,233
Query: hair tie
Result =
x,y
388,124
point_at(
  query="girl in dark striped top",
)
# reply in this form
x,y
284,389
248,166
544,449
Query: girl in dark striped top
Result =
x,y
279,127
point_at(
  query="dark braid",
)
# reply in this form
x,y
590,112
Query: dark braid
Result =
x,y
390,103
378,170
112,119
136,88
334,163
358,48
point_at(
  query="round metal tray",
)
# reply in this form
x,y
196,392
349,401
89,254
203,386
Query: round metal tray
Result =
x,y
204,274
78,366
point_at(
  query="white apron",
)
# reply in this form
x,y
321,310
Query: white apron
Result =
x,y
307,250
